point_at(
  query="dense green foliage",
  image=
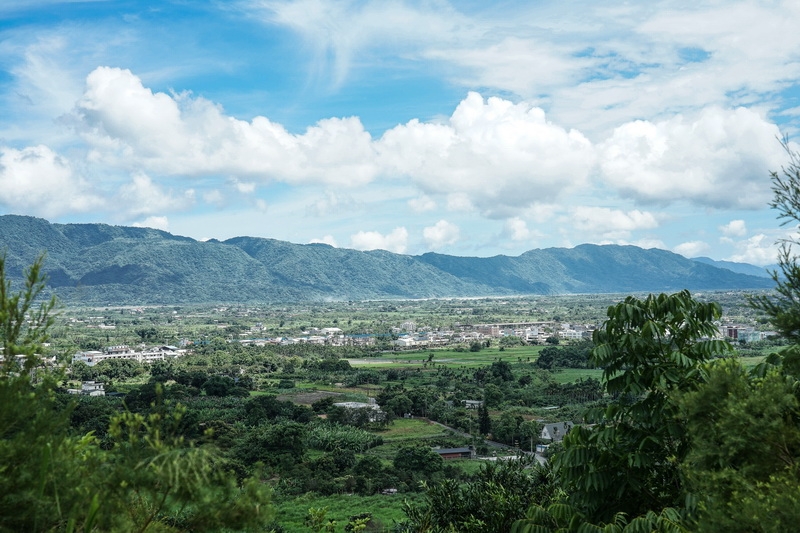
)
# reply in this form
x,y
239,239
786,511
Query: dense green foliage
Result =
x,y
650,350
145,477
497,497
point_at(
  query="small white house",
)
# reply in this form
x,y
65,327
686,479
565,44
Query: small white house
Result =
x,y
555,432
89,388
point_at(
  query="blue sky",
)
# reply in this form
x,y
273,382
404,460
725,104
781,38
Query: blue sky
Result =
x,y
464,128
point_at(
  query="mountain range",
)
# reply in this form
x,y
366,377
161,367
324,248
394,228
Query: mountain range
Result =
x,y
100,264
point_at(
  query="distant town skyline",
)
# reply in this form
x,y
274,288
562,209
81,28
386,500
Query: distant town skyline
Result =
x,y
465,128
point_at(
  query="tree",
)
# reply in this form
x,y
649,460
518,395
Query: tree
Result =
x,y
119,368
147,334
146,478
745,434
529,431
399,405
507,428
23,325
417,459
484,422
783,307
492,395
650,350
501,370
490,503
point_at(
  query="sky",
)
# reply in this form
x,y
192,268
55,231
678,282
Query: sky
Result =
x,y
467,128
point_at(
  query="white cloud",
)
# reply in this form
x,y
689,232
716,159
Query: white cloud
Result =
x,y
422,204
524,65
734,228
441,234
245,187
331,203
501,156
154,222
595,64
396,241
129,125
649,243
517,229
144,197
459,201
37,180
607,223
542,213
691,249
327,239
45,84
757,250
339,32
721,158
213,197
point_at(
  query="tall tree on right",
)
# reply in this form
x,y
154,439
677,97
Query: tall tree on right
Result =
x,y
628,460
783,307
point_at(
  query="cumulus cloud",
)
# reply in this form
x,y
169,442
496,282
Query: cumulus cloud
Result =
x,y
757,250
144,197
127,123
327,239
37,180
609,223
443,233
649,243
422,204
721,159
691,249
154,222
245,187
396,241
517,229
734,228
501,156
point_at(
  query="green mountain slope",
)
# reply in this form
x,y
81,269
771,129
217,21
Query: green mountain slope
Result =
x,y
741,268
112,265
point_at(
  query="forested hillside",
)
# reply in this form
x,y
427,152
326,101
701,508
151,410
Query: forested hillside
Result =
x,y
102,264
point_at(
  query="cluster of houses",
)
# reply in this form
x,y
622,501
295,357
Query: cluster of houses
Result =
x,y
145,355
531,332
738,333
407,336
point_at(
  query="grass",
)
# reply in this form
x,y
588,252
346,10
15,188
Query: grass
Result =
x,y
448,358
750,362
411,428
571,375
385,509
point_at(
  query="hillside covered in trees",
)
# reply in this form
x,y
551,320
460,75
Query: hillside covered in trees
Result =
x,y
114,265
